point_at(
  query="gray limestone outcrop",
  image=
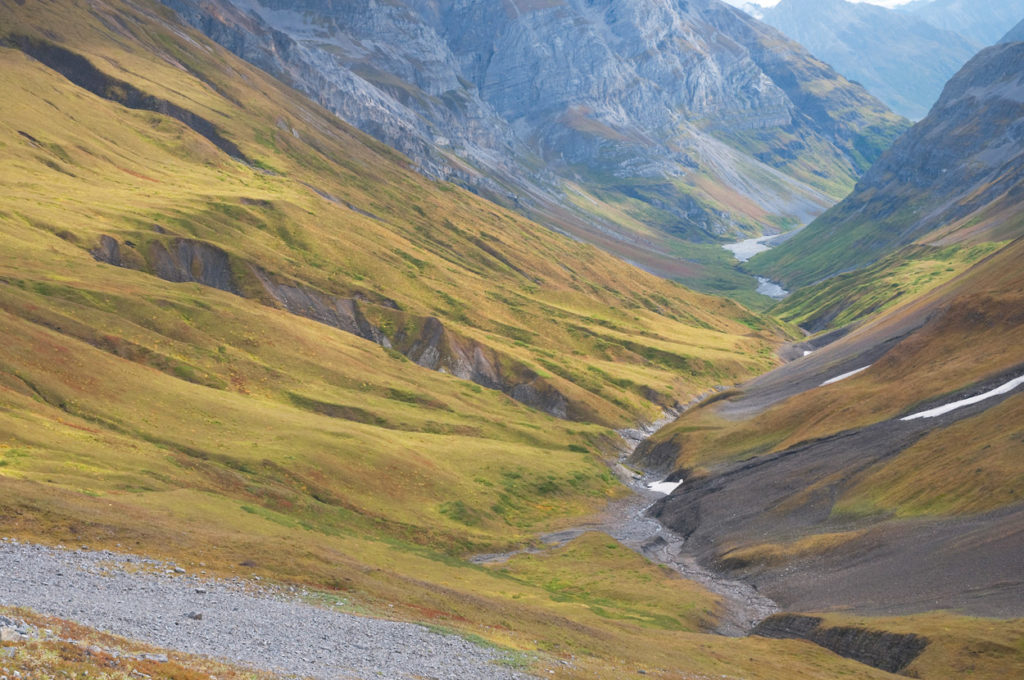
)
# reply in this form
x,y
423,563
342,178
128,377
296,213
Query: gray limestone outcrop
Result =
x,y
637,102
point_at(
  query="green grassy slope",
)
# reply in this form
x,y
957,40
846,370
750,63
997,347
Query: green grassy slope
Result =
x,y
865,293
174,406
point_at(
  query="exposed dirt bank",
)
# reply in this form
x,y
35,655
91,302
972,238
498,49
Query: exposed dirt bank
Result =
x,y
881,649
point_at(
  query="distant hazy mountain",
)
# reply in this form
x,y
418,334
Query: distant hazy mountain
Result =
x,y
899,57
957,176
981,21
1016,34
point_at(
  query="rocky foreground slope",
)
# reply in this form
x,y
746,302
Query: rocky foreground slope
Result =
x,y
239,621
639,126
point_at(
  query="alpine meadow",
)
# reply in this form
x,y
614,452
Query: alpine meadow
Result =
x,y
398,340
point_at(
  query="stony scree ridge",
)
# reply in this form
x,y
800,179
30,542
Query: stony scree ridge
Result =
x,y
234,620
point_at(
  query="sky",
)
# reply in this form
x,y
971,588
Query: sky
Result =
x,y
771,3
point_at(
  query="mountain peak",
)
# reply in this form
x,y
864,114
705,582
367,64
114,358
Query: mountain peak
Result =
x,y
1016,34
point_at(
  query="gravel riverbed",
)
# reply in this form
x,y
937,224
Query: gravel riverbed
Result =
x,y
238,621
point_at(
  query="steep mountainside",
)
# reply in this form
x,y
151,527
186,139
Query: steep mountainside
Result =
x,y
879,473
1016,34
956,177
899,57
640,126
816,487
981,22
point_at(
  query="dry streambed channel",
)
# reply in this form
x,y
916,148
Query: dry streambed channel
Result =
x,y
742,607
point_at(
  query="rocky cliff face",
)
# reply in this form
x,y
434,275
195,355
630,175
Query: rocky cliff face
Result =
x,y
599,118
897,56
957,176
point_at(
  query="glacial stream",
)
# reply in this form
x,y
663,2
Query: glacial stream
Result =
x,y
746,249
626,521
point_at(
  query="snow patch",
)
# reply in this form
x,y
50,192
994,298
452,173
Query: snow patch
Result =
x,y
663,487
939,410
844,376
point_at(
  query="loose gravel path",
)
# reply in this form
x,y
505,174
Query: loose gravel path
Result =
x,y
233,620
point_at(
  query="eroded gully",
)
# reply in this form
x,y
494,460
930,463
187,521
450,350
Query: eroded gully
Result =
x,y
742,607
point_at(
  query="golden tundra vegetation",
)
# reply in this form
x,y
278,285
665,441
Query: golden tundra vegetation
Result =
x,y
188,422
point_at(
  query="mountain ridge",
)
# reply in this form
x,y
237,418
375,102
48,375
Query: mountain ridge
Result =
x,y
1015,34
953,178
982,23
572,114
